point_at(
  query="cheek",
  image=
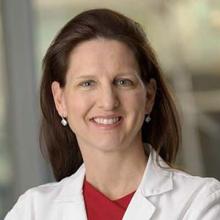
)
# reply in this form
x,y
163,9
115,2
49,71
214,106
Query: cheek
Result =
x,y
136,101
77,105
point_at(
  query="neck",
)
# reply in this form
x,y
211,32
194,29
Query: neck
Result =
x,y
116,174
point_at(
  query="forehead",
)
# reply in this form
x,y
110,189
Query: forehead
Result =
x,y
102,55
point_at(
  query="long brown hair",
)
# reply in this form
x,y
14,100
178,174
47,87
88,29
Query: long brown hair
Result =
x,y
58,142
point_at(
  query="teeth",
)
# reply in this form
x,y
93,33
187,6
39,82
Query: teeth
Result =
x,y
106,121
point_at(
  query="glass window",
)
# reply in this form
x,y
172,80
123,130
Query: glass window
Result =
x,y
5,165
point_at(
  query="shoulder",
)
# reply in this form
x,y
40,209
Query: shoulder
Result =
x,y
200,194
26,203
191,197
43,198
49,191
178,183
182,182
198,183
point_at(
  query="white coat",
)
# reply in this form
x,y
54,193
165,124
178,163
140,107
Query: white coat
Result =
x,y
163,194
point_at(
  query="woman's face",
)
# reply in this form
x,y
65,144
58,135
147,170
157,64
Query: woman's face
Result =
x,y
104,99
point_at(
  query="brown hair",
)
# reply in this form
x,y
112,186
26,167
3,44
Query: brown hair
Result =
x,y
60,142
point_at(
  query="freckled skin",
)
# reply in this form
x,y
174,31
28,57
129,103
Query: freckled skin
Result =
x,y
103,79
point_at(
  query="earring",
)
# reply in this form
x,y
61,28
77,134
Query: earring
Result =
x,y
148,118
63,121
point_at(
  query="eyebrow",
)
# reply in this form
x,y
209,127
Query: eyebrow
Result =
x,y
84,76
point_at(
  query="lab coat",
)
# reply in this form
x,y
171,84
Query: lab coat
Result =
x,y
163,194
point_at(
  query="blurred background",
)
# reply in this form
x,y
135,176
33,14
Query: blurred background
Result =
x,y
186,37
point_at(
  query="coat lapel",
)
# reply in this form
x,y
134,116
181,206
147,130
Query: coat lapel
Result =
x,y
139,208
70,202
72,211
157,179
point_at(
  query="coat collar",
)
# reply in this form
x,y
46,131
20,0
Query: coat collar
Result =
x,y
157,179
71,187
69,200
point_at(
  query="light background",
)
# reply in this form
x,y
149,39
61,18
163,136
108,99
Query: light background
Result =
x,y
186,37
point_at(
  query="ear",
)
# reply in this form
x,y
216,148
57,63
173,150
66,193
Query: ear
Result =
x,y
58,96
151,90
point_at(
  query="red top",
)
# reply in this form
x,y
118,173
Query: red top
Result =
x,y
99,207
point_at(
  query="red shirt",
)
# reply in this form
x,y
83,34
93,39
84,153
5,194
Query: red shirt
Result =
x,y
99,207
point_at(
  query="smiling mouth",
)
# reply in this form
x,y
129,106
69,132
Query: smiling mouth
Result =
x,y
106,121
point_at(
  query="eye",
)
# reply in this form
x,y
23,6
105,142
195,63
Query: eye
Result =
x,y
124,82
87,83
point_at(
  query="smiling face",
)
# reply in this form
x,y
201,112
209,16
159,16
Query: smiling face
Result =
x,y
104,99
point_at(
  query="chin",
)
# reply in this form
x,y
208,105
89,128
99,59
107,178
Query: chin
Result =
x,y
110,147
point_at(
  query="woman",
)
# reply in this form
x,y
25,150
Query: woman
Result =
x,y
111,131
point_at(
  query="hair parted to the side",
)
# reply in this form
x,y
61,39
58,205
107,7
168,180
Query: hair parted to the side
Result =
x,y
58,142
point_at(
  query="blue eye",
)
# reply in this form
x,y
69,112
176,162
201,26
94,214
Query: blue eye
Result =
x,y
124,82
87,83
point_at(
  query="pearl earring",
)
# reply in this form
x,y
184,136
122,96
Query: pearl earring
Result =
x,y
148,118
63,121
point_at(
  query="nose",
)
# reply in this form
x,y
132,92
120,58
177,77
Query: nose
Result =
x,y
108,98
